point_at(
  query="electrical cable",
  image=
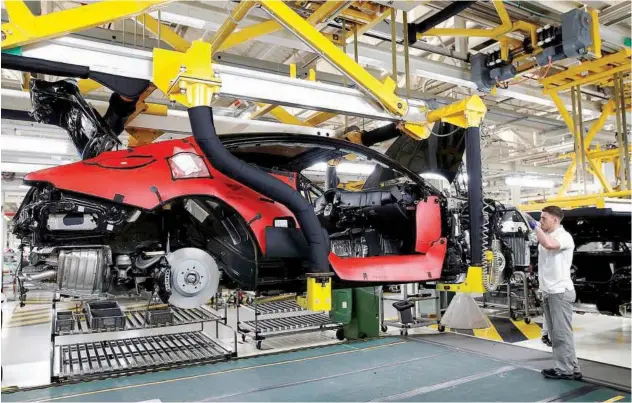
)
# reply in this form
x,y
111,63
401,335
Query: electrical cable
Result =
x,y
507,84
148,304
446,134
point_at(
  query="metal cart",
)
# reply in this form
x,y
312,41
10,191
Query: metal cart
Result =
x,y
80,352
518,298
417,319
280,316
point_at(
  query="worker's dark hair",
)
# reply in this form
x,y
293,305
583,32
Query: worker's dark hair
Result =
x,y
554,211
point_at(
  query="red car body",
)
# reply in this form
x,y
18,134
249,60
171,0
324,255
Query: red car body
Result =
x,y
142,177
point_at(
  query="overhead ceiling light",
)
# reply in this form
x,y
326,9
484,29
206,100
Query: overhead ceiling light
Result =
x,y
528,182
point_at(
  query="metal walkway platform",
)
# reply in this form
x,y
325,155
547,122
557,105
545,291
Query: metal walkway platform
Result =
x,y
92,359
421,368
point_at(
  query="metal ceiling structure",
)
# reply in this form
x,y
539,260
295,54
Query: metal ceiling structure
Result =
x,y
524,133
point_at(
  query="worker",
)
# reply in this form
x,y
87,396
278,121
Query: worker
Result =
x,y
545,332
555,256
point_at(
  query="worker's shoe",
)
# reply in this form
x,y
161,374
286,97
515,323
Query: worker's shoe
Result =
x,y
546,340
577,376
553,373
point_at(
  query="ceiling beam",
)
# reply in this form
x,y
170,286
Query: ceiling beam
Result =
x,y
209,19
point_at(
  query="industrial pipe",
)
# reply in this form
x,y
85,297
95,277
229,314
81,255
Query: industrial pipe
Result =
x,y
384,133
203,129
464,57
44,275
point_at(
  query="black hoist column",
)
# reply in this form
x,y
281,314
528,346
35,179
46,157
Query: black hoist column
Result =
x,y
475,193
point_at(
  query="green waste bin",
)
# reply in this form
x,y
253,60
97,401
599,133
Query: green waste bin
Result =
x,y
358,309
342,305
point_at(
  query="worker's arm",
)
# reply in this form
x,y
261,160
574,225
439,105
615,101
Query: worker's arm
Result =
x,y
546,240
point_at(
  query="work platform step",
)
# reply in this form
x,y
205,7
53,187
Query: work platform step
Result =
x,y
275,307
137,319
123,356
314,321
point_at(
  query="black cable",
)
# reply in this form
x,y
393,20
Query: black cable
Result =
x,y
446,134
148,304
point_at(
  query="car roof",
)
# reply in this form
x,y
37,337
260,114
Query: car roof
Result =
x,y
259,148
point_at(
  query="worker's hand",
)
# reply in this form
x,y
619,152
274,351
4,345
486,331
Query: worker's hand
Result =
x,y
531,221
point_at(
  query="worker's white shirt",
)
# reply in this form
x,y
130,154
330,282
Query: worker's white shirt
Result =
x,y
554,266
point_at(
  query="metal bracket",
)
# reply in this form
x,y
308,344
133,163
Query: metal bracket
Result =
x,y
466,113
186,78
473,282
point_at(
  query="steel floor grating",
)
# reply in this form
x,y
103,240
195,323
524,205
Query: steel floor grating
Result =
x,y
135,319
275,307
89,359
313,321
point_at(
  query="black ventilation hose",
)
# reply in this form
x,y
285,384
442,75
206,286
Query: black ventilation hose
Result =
x,y
118,111
475,193
203,128
384,133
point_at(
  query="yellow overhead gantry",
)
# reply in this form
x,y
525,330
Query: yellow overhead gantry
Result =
x,y
611,72
24,28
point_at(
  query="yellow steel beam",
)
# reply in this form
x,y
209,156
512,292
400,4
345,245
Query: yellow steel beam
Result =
x,y
88,85
466,113
598,78
169,36
598,154
561,108
581,74
26,81
253,31
283,116
186,78
141,137
607,154
576,201
594,32
142,107
319,117
383,92
250,32
25,28
568,178
263,110
608,110
531,29
181,45
504,48
502,29
368,26
155,109
596,171
230,24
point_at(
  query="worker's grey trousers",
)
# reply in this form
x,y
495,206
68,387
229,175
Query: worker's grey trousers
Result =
x,y
558,314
